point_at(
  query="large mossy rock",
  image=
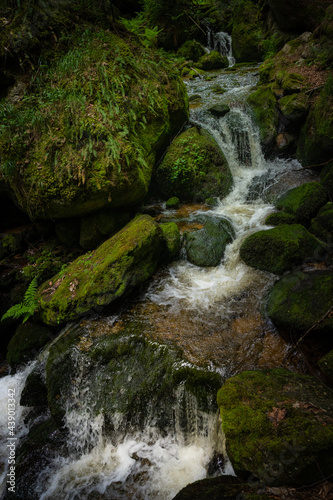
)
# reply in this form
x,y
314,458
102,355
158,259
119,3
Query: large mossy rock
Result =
x,y
123,373
301,301
322,225
206,246
278,426
303,202
211,61
279,249
191,50
265,113
27,341
316,139
172,239
87,136
99,277
246,30
194,168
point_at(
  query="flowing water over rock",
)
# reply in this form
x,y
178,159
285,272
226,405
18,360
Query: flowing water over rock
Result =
x,y
214,315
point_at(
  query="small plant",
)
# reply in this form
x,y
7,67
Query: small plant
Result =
x,y
27,307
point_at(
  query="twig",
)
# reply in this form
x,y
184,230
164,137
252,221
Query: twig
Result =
x,y
314,326
193,21
314,166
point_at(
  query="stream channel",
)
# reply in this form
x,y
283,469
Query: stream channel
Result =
x,y
213,315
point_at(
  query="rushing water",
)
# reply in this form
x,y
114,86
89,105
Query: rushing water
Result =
x,y
213,314
221,42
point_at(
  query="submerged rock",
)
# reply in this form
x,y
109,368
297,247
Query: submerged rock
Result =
x,y
99,277
279,249
278,426
206,246
122,373
301,301
194,168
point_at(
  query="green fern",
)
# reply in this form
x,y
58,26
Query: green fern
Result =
x,y
27,307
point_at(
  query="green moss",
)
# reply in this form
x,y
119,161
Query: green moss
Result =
x,y
281,218
294,107
93,123
191,50
303,202
173,202
246,31
280,249
299,301
322,225
28,339
265,113
316,139
97,278
211,61
172,238
127,375
194,167
270,427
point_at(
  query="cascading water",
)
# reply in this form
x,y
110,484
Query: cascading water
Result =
x,y
212,314
221,42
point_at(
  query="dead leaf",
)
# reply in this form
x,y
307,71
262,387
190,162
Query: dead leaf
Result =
x,y
276,415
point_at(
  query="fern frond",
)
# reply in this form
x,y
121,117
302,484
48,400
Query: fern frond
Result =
x,y
27,307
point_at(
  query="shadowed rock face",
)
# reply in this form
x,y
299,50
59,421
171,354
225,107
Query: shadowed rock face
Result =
x,y
300,15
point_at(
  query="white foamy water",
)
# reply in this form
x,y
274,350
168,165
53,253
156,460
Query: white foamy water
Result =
x,y
11,388
214,289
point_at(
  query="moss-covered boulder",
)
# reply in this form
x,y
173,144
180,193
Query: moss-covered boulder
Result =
x,y
27,341
172,238
213,60
326,179
265,113
279,249
278,426
294,107
326,365
246,31
205,247
123,373
322,225
281,218
303,202
316,139
172,202
93,126
191,50
219,110
302,301
194,168
99,277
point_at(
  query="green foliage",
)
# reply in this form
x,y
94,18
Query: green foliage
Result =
x,y
82,119
191,165
27,307
139,27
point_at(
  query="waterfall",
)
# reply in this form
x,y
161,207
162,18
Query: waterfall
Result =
x,y
221,42
135,464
